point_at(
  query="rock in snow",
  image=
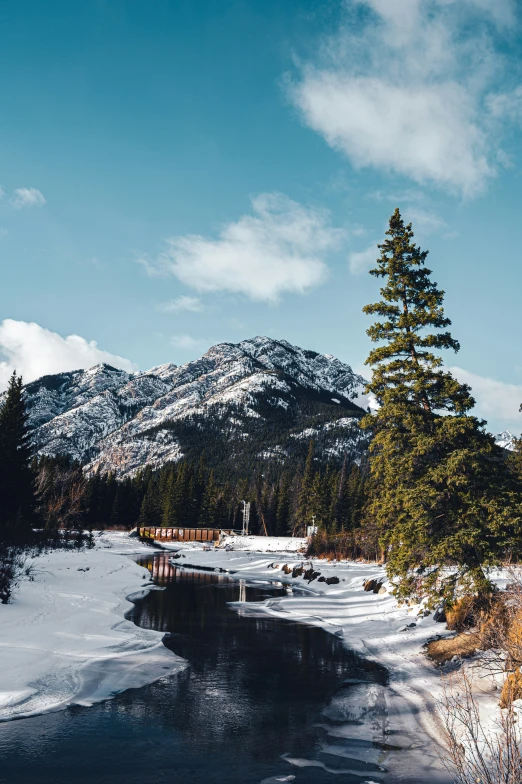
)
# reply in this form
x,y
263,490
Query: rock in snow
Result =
x,y
261,399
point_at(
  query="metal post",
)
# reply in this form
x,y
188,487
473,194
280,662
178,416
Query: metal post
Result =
x,y
246,517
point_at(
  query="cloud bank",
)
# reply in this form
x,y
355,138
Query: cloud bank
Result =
x,y
408,86
278,248
34,351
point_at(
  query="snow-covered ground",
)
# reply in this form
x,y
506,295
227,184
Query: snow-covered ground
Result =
x,y
64,638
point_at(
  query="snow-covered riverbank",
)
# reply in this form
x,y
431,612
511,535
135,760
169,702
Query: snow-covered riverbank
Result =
x,y
64,639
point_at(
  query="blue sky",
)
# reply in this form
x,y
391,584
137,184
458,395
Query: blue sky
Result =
x,y
175,174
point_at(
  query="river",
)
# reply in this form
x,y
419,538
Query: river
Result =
x,y
261,700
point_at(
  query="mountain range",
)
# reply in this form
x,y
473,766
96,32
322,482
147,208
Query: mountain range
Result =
x,y
258,401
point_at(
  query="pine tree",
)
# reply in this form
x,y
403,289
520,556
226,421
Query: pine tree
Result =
x,y
150,511
303,508
441,493
17,498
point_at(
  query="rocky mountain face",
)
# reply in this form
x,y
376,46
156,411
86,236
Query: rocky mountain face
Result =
x,y
258,400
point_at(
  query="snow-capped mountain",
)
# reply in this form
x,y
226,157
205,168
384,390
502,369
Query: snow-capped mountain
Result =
x,y
261,399
506,440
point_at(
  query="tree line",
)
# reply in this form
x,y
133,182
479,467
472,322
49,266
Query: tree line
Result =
x,y
184,495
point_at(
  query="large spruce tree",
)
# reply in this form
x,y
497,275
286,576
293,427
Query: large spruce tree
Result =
x,y
441,493
16,478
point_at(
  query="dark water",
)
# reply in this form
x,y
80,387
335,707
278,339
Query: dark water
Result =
x,y
261,700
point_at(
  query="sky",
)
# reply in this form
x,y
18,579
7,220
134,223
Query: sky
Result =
x,y
178,174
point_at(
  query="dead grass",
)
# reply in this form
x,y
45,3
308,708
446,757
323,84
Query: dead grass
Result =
x,y
462,645
511,690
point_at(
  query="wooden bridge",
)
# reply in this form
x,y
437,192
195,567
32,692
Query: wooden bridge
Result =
x,y
184,534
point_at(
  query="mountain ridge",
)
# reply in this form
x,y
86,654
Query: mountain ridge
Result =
x,y
235,398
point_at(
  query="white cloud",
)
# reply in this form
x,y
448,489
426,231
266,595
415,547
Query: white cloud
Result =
x,y
188,343
424,221
182,303
27,197
361,261
34,351
278,248
497,402
404,90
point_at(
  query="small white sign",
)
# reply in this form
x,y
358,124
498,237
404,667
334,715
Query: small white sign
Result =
x,y
311,530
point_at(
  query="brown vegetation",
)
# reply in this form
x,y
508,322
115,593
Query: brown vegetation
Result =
x,y
463,645
346,546
512,689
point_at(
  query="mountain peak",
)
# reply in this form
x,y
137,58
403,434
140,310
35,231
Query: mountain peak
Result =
x,y
506,440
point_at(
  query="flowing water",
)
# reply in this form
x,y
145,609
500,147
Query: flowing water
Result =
x,y
261,700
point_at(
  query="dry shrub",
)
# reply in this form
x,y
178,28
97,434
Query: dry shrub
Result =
x,y
473,753
349,545
463,645
512,689
501,630
467,612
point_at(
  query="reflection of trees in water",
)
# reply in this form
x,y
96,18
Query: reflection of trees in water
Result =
x,y
250,677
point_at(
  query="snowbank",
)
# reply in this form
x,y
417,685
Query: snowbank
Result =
x,y
64,639
265,544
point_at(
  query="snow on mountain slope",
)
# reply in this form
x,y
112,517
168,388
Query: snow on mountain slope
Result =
x,y
506,440
51,396
259,391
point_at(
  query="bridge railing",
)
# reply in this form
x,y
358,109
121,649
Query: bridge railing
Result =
x,y
183,534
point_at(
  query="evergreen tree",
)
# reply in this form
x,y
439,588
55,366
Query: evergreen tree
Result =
x,y
318,501
303,509
441,493
282,513
150,511
17,498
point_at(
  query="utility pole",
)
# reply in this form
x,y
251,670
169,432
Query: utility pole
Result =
x,y
311,529
246,517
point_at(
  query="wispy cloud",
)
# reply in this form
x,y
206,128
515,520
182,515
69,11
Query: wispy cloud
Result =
x,y
189,343
496,400
182,303
27,197
426,221
35,351
361,261
405,86
278,248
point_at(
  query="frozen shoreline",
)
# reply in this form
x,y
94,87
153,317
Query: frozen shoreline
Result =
x,y
64,639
